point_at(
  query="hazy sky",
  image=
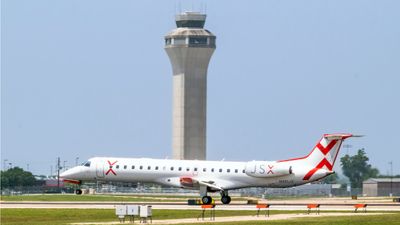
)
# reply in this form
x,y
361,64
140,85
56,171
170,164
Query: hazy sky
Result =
x,y
91,78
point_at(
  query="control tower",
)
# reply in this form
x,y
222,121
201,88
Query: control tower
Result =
x,y
189,48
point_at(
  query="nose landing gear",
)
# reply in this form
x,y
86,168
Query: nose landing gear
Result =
x,y
78,191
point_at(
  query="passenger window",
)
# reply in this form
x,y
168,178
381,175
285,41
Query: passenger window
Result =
x,y
117,167
125,167
236,170
180,168
228,170
204,169
149,168
156,167
188,169
172,168
212,170
220,170
133,167
195,169
141,167
243,171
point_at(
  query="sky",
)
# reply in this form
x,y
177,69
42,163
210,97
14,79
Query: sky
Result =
x,y
91,78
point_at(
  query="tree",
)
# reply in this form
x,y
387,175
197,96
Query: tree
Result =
x,y
331,179
357,169
16,177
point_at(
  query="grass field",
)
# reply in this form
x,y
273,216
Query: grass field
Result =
x,y
389,219
66,216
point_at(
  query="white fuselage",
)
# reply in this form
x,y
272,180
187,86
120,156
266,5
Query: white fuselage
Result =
x,y
227,175
212,176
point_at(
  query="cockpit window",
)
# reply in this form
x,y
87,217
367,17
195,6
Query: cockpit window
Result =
x,y
87,164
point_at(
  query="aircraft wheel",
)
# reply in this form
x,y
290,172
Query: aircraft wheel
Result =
x,y
226,199
206,200
78,191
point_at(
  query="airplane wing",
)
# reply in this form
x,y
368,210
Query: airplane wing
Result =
x,y
214,184
208,183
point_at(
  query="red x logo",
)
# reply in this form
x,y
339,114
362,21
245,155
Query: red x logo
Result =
x,y
111,168
270,169
324,161
326,149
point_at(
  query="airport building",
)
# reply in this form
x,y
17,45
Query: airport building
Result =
x,y
189,48
381,187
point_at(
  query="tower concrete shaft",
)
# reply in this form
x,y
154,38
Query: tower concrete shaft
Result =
x,y
189,48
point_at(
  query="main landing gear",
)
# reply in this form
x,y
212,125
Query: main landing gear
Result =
x,y
225,198
206,200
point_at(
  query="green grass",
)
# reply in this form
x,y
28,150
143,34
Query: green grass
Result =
x,y
387,219
66,216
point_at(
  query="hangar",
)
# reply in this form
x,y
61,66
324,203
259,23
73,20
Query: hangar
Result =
x,y
381,187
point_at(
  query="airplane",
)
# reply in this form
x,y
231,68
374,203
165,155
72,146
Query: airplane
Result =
x,y
214,176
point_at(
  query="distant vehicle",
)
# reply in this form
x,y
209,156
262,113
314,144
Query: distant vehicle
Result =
x,y
214,176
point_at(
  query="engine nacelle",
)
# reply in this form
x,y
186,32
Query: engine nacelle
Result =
x,y
267,169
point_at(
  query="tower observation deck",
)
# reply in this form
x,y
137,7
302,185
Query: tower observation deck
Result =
x,y
189,48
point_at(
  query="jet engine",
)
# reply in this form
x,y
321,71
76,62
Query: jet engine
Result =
x,y
267,169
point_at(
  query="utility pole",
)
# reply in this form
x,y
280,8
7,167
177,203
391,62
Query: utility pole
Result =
x,y
27,167
76,161
58,173
391,178
347,147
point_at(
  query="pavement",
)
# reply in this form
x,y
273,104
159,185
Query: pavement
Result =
x,y
331,204
234,218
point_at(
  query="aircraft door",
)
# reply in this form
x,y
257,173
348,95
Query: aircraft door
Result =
x,y
100,170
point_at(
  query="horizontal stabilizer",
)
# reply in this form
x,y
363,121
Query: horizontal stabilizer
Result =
x,y
340,136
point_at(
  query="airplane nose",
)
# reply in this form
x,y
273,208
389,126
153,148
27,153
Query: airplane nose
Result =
x,y
71,173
